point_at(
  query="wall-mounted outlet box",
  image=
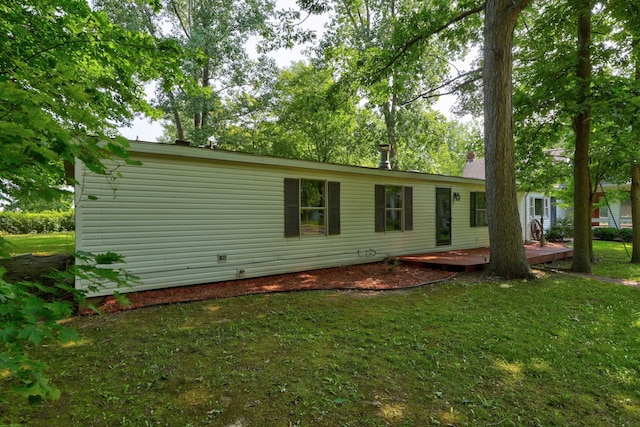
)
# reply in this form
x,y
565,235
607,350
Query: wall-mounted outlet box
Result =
x,y
240,272
222,258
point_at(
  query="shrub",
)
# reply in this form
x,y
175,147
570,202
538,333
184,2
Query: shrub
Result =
x,y
611,233
627,234
562,229
42,222
605,233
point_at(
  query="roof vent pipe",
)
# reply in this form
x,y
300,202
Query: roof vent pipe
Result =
x,y
384,156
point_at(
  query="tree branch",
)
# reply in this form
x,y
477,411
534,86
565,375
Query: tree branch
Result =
x,y
177,12
349,14
433,93
410,43
516,8
40,52
70,42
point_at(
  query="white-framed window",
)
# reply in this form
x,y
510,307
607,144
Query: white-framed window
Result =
x,y
538,206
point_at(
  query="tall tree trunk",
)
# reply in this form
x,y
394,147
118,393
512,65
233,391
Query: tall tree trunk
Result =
x,y
635,171
390,107
206,81
389,113
581,124
200,115
635,212
176,116
508,256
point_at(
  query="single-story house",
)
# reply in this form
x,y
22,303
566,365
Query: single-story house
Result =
x,y
192,215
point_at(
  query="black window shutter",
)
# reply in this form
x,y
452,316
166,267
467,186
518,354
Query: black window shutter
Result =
x,y
408,208
291,207
472,215
334,207
380,208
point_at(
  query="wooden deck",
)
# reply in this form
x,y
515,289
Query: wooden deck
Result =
x,y
478,258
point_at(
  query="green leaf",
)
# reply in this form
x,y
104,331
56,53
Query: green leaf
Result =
x,y
108,258
31,333
117,150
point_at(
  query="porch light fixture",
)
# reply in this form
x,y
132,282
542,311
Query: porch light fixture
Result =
x,y
456,197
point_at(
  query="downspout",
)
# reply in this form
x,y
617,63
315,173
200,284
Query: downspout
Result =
x,y
525,225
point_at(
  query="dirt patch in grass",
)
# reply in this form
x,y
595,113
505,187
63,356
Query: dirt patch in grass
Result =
x,y
369,277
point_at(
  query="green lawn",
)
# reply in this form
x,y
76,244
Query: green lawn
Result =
x,y
612,260
556,351
53,243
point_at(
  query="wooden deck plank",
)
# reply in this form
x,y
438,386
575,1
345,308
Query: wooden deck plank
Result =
x,y
478,258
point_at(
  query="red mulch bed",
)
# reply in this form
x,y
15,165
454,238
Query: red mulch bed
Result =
x,y
376,276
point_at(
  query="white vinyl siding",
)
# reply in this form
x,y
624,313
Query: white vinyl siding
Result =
x,y
531,206
172,217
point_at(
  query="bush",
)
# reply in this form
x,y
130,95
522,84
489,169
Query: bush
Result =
x,y
42,222
627,234
605,233
562,229
611,233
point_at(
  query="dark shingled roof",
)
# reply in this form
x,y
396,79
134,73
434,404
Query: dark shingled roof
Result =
x,y
474,169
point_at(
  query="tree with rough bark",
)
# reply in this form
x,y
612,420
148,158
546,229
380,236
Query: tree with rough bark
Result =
x,y
635,212
508,257
635,165
629,14
582,246
550,96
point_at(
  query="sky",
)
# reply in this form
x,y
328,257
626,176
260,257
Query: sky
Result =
x,y
144,129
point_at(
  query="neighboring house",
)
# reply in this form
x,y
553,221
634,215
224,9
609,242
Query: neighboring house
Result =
x,y
538,206
532,206
193,215
612,213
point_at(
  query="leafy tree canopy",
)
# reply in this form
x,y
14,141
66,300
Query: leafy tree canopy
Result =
x,y
66,72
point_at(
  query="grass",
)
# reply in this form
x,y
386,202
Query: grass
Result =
x,y
41,244
612,260
560,350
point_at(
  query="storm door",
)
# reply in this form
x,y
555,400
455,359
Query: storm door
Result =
x,y
443,216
